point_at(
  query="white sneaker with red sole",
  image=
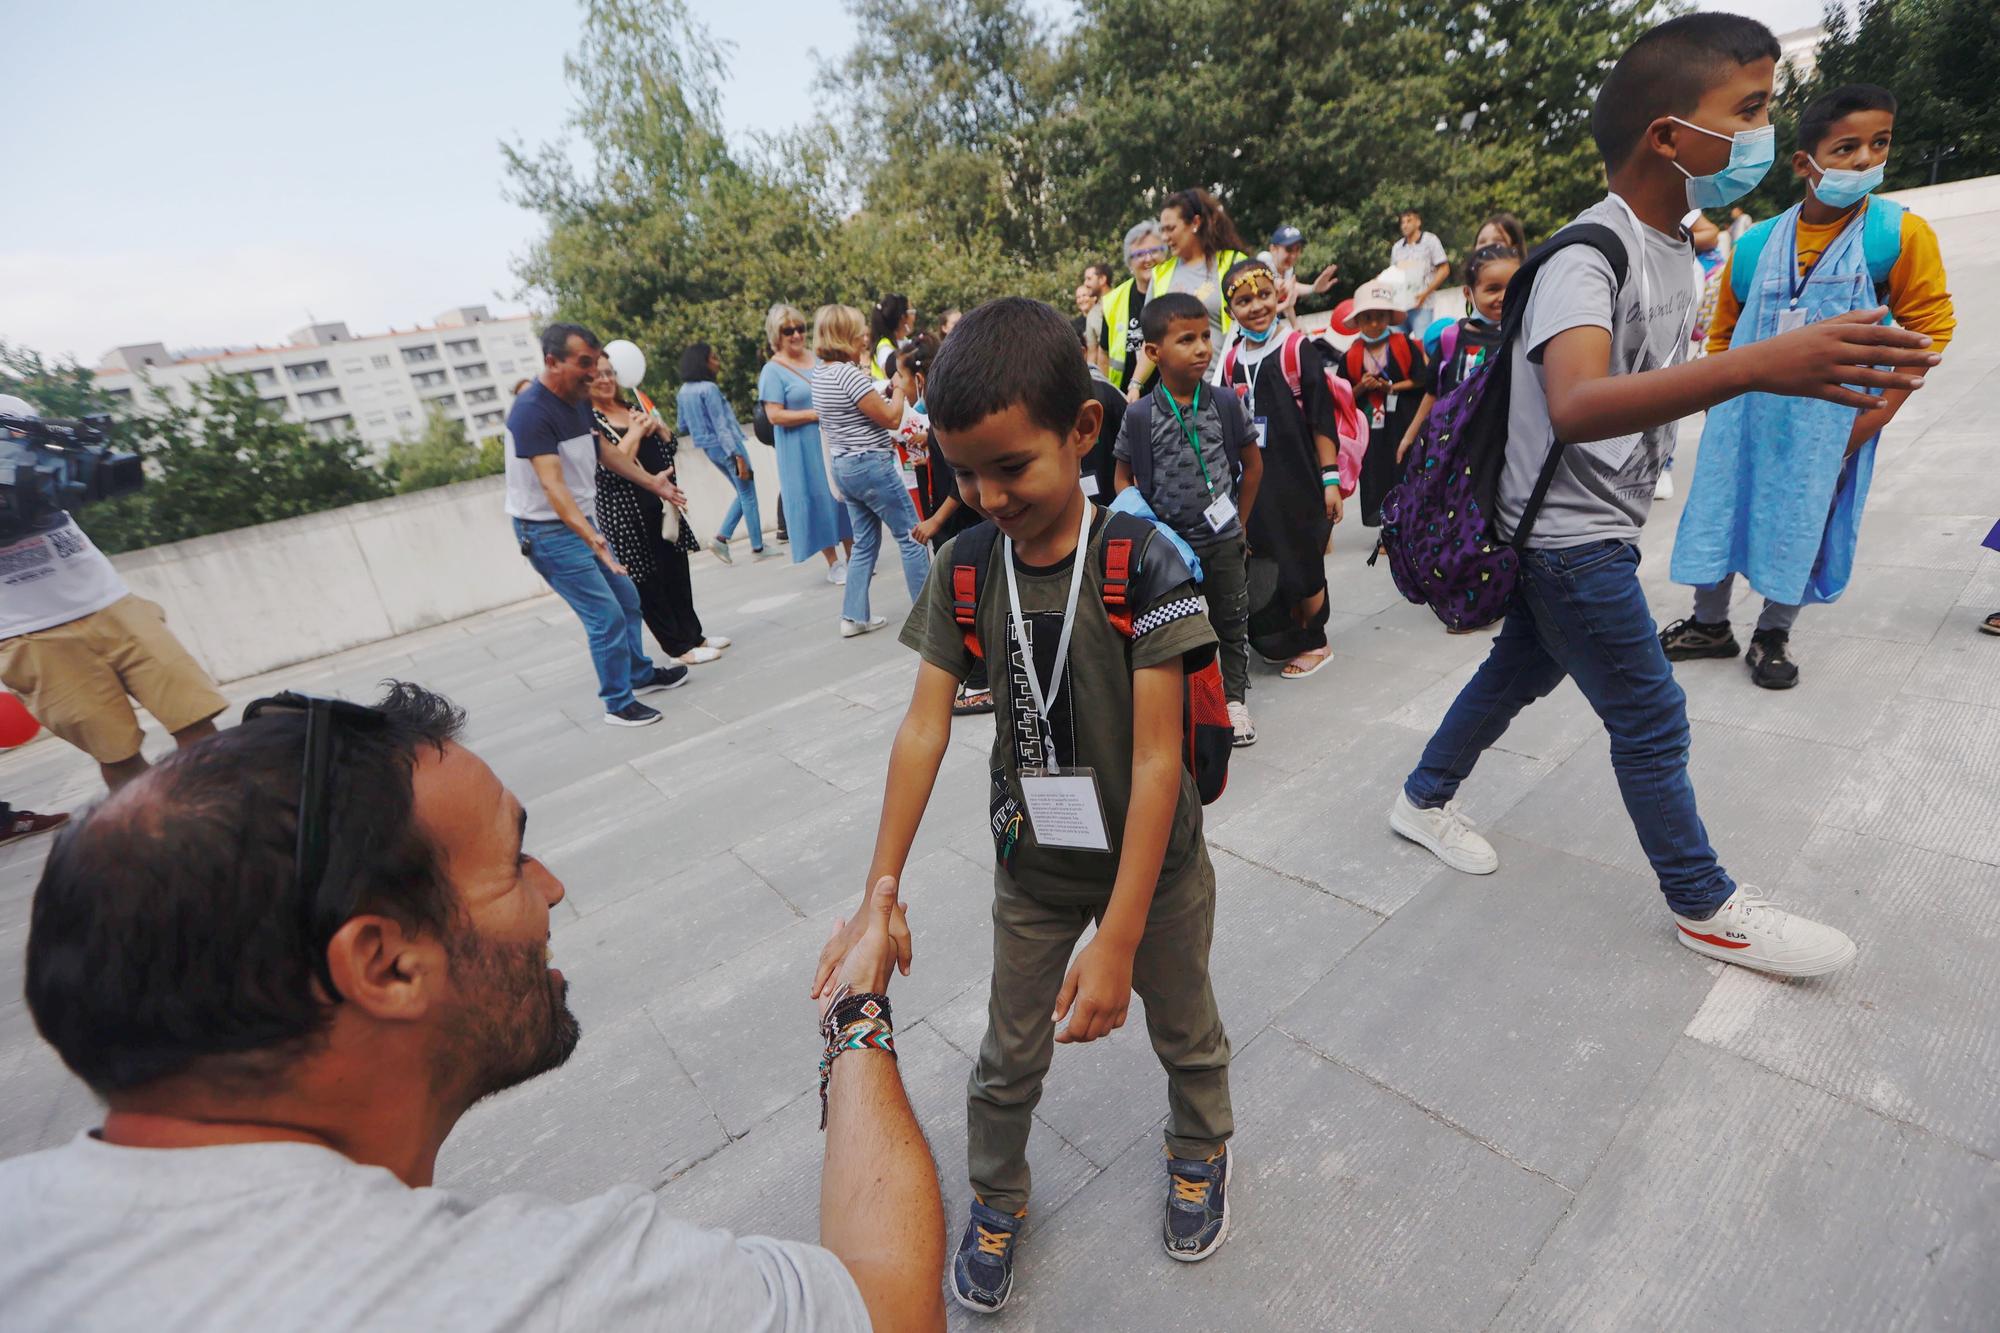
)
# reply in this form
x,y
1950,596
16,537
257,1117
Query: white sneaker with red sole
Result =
x,y
1752,932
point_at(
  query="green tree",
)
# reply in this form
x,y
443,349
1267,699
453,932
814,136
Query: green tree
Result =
x,y
440,455
56,388
225,459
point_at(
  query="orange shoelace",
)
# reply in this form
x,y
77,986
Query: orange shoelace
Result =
x,y
993,1242
1191,1191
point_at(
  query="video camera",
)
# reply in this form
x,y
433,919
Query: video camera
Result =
x,y
48,466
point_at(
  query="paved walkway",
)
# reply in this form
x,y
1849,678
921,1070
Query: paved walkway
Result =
x,y
1507,1103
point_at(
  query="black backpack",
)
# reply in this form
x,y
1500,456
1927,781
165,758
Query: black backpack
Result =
x,y
1139,417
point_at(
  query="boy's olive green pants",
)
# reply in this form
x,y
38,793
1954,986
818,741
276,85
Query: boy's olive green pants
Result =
x,y
1032,943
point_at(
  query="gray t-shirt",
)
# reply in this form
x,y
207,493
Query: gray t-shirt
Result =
x,y
1180,494
1603,488
282,1236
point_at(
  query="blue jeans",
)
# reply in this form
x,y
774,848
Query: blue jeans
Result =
x,y
1580,612
745,504
872,487
606,603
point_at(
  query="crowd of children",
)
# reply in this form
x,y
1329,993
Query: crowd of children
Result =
x,y
1093,632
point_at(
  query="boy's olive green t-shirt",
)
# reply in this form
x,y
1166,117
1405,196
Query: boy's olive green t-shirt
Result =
x,y
1091,716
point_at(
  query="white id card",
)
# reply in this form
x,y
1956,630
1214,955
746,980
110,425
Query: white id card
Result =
x,y
1389,403
1378,419
1791,318
1219,513
1089,482
1263,425
1065,810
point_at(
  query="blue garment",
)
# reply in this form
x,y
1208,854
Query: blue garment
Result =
x,y
606,603
1772,498
1579,611
1129,501
813,518
704,414
876,497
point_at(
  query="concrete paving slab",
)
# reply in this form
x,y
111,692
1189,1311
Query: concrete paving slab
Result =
x,y
1856,1222
1351,1210
1961,666
1550,730
1912,1029
1759,795
622,1111
1930,778
1329,827
1528,1007
1844,685
1896,603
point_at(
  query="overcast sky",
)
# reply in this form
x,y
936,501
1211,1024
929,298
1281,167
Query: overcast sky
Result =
x,y
213,172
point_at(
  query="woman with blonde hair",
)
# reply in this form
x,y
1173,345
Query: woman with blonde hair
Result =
x,y
814,520
855,421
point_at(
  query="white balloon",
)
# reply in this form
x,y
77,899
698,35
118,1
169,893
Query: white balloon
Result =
x,y
627,362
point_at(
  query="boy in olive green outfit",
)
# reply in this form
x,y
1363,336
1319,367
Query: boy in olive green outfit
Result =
x,y
1095,818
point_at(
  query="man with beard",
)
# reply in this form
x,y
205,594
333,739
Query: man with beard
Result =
x,y
289,959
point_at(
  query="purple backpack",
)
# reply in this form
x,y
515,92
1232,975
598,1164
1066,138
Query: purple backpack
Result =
x,y
1438,521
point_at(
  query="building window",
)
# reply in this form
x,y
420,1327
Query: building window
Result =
x,y
332,427
405,414
416,356
462,347
489,420
264,376
377,421
429,379
119,395
307,371
443,400
379,362
506,367
350,367
320,398
473,371
485,395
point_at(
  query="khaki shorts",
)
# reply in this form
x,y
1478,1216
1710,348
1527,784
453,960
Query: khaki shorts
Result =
x,y
75,677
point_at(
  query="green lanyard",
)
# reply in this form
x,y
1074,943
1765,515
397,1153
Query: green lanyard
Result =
x,y
1192,438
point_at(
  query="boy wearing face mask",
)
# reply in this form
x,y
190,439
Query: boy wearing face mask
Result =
x,y
1780,483
1597,378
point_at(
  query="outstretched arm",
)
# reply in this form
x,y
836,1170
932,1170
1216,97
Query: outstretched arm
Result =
x,y
879,1207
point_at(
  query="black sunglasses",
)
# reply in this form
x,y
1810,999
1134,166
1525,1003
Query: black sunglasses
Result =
x,y
318,917
787,330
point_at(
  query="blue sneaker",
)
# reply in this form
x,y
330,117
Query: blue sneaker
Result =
x,y
1197,1206
982,1273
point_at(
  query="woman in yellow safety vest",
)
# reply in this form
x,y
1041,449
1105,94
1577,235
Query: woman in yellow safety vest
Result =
x,y
1119,339
1202,244
889,323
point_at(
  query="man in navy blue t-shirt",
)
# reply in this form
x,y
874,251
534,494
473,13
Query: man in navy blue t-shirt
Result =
x,y
551,490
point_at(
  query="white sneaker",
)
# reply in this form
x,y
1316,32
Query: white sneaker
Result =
x,y
1446,833
836,573
850,628
1752,932
1240,723
699,654
721,549
716,641
1663,489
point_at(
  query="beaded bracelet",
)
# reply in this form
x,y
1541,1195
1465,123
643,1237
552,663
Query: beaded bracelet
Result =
x,y
853,1022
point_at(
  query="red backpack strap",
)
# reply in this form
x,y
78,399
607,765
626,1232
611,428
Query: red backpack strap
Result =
x,y
1356,367
971,553
1288,361
1229,363
1399,348
1118,583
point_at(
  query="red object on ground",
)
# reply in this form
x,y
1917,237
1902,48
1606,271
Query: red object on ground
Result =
x,y
1342,321
17,724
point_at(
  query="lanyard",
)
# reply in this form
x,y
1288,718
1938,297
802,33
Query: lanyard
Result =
x,y
1042,701
1192,438
1799,280
1638,258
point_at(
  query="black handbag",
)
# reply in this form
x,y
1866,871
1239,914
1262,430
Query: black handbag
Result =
x,y
760,425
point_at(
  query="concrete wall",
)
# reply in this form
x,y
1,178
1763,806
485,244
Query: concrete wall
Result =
x,y
264,597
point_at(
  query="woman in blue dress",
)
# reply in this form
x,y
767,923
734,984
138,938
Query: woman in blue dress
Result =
x,y
704,414
814,520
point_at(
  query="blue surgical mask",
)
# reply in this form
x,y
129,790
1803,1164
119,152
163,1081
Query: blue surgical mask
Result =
x,y
1751,153
1372,339
1840,187
1263,337
1476,317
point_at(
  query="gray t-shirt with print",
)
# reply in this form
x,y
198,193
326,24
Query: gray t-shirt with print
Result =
x,y
1603,488
1180,495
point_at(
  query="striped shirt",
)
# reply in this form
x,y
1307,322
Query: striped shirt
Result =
x,y
837,389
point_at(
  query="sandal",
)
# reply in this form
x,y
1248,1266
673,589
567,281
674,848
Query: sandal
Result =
x,y
1307,662
1990,625
971,702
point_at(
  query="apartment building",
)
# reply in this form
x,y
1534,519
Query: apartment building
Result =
x,y
379,387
